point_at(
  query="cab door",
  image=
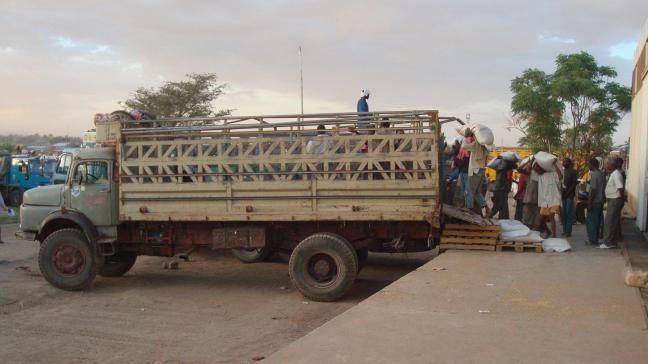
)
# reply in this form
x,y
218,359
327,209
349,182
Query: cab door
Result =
x,y
91,191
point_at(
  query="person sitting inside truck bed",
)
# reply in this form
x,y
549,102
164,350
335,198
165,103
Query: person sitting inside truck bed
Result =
x,y
318,145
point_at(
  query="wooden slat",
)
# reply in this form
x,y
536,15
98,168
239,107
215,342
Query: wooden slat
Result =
x,y
467,247
472,227
468,241
490,234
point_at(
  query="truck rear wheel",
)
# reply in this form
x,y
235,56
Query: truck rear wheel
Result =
x,y
117,265
251,255
323,267
66,260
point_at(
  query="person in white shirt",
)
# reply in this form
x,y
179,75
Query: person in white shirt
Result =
x,y
614,193
474,198
549,197
317,145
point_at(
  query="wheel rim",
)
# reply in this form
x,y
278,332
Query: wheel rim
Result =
x,y
68,260
322,270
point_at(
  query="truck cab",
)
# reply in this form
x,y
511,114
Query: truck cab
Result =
x,y
85,196
23,173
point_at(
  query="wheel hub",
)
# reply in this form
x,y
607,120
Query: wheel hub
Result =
x,y
68,260
322,268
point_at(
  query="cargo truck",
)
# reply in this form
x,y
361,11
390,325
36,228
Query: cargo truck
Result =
x,y
313,186
18,174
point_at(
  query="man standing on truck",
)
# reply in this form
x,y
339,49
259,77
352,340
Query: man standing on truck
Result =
x,y
363,106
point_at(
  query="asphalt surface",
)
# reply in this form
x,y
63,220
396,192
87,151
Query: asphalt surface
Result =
x,y
213,309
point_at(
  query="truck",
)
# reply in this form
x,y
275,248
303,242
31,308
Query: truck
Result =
x,y
19,174
324,188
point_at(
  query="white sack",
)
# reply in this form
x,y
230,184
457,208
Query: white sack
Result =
x,y
483,134
513,229
462,130
510,156
494,163
546,161
555,245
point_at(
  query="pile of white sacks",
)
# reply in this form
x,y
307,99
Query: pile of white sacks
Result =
x,y
513,230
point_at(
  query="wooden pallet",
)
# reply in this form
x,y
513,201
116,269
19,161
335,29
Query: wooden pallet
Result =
x,y
519,246
470,234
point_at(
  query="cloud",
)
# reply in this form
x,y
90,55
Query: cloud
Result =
x,y
64,42
101,48
555,38
6,50
455,56
623,50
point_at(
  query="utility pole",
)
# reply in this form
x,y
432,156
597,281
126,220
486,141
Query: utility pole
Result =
x,y
301,78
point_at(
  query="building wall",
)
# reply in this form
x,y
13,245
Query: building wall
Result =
x,y
637,183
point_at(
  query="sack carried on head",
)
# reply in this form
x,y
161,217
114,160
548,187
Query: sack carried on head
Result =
x,y
546,161
482,133
510,156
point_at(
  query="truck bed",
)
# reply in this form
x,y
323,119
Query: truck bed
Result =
x,y
279,172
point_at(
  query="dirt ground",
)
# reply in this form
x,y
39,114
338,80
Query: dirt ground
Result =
x,y
214,309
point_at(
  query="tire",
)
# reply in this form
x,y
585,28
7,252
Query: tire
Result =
x,y
323,267
248,256
67,261
118,264
15,198
363,255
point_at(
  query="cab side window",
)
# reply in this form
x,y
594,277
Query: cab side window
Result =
x,y
64,164
91,173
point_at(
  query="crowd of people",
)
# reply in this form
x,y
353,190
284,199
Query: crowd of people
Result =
x,y
546,190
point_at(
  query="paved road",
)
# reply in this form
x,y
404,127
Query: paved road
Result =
x,y
213,309
491,308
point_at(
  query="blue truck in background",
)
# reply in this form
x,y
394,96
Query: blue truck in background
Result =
x,y
19,174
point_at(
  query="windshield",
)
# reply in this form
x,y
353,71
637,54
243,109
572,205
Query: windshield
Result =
x,y
34,166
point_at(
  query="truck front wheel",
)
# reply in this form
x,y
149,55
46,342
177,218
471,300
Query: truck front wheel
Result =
x,y
117,265
66,260
323,267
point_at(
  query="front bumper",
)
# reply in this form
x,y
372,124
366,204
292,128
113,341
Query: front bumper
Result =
x,y
25,235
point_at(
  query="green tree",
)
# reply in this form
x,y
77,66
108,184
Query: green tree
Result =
x,y
536,111
595,103
192,97
580,94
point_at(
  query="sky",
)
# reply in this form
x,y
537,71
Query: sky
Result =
x,y
63,61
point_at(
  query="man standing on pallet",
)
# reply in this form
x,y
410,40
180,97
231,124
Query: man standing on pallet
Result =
x,y
476,169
